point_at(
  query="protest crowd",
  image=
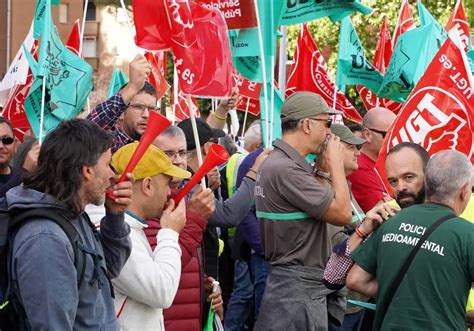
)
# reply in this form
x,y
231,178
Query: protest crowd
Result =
x,y
121,216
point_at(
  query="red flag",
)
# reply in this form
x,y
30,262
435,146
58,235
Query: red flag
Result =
x,y
74,41
459,22
309,73
238,14
382,56
161,23
155,77
245,103
439,113
205,68
182,108
248,88
405,22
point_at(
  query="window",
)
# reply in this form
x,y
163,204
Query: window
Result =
x,y
91,12
89,47
63,13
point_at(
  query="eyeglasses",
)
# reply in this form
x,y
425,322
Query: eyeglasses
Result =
x,y
142,108
383,133
172,154
7,140
328,121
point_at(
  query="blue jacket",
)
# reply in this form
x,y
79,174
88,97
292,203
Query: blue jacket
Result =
x,y
44,278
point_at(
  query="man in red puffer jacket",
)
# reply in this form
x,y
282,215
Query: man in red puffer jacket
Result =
x,y
186,312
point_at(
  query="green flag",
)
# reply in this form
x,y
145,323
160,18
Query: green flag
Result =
x,y
295,12
414,51
246,49
43,7
119,79
353,68
68,81
277,104
470,57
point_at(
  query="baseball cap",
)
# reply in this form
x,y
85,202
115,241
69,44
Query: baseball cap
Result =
x,y
346,135
205,132
152,163
305,104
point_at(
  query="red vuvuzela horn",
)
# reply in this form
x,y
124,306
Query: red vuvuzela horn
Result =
x,y
156,124
216,156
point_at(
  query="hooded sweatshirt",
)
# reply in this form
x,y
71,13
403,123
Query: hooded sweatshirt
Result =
x,y
44,278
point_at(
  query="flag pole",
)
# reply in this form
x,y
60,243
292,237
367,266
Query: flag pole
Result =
x,y
43,96
196,136
86,3
272,99
175,92
283,60
245,116
264,73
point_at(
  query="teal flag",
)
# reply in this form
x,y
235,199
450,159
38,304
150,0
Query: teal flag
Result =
x,y
426,18
68,80
470,57
277,104
246,48
353,68
414,51
119,79
295,12
43,7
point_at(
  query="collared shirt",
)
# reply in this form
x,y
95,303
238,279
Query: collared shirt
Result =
x,y
106,116
367,186
290,204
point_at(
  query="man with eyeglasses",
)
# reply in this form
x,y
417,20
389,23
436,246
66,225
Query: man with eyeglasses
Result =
x,y
366,184
294,208
133,103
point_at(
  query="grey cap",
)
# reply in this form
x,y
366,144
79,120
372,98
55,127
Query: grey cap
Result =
x,y
305,104
346,135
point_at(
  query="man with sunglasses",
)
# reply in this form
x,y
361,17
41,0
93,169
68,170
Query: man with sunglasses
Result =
x,y
294,208
9,176
366,184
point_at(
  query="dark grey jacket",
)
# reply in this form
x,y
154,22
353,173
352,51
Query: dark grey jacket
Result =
x,y
44,276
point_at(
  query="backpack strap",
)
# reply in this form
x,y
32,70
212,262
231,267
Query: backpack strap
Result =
x,y
63,219
383,306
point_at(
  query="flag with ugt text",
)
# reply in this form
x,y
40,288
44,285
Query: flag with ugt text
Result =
x,y
458,21
439,113
309,72
156,78
205,68
405,22
383,53
353,68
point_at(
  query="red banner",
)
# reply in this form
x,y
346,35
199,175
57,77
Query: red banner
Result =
x,y
382,56
405,22
245,103
248,88
205,68
182,110
74,41
238,14
309,73
439,112
156,77
459,22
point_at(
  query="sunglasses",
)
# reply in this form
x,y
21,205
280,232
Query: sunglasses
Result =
x,y
7,140
328,121
383,133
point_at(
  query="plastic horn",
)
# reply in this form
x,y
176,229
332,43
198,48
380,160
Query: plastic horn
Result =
x,y
216,156
156,124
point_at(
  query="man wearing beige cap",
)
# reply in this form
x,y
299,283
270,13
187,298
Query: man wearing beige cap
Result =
x,y
293,208
149,280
